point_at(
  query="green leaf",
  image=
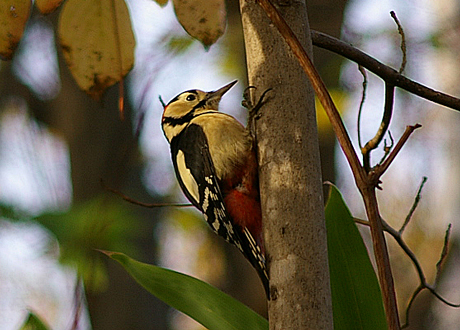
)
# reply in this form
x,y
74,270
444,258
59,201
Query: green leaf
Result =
x,y
356,297
33,322
199,300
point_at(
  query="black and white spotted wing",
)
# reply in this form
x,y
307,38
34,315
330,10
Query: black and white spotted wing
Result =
x,y
197,178
196,175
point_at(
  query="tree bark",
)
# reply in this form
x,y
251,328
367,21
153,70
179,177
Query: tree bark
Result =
x,y
290,174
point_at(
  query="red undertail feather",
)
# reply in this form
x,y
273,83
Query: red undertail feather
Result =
x,y
242,200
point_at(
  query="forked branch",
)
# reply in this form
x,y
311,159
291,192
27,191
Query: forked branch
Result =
x,y
365,184
386,73
367,180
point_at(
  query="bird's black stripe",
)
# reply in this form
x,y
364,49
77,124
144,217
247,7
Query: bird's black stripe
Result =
x,y
174,121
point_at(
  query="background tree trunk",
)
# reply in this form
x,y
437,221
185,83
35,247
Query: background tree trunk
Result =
x,y
290,175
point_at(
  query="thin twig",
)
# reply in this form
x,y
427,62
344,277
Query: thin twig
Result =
x,y
423,283
385,123
444,252
135,202
385,72
414,206
431,289
403,42
409,306
380,169
361,104
387,148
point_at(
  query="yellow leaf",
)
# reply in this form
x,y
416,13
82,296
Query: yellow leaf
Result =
x,y
203,19
162,3
97,42
13,18
47,6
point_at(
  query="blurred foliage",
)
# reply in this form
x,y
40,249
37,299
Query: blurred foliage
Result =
x,y
100,223
340,98
179,44
8,212
33,322
206,260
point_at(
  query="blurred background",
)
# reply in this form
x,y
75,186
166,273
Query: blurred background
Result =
x,y
57,144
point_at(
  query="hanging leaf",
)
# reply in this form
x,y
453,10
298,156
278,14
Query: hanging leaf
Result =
x,y
203,19
356,297
47,6
97,41
162,3
13,18
209,306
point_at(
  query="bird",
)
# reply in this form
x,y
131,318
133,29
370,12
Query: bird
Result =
x,y
215,163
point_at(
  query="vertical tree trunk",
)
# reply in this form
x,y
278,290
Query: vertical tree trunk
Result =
x,y
290,175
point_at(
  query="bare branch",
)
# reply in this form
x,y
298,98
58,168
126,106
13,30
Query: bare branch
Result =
x,y
445,251
409,306
403,42
361,104
385,72
414,205
135,202
380,169
423,282
387,147
375,141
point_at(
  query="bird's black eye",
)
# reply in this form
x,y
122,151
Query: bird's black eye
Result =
x,y
190,97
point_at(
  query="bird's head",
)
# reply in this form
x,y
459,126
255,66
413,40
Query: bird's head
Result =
x,y
191,102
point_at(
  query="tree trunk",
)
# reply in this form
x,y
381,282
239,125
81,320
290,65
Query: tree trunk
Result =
x,y
289,169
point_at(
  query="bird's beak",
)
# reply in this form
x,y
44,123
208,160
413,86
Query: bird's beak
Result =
x,y
215,96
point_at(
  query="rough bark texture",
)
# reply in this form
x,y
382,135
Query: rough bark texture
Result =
x,y
290,175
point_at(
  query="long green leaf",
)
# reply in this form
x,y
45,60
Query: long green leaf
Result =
x,y
204,303
33,322
356,297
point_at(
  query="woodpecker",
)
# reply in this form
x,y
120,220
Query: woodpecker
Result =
x,y
215,163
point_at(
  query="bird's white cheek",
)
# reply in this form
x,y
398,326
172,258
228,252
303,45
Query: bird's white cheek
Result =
x,y
187,177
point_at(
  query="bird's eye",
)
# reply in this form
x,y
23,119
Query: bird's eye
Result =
x,y
190,97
